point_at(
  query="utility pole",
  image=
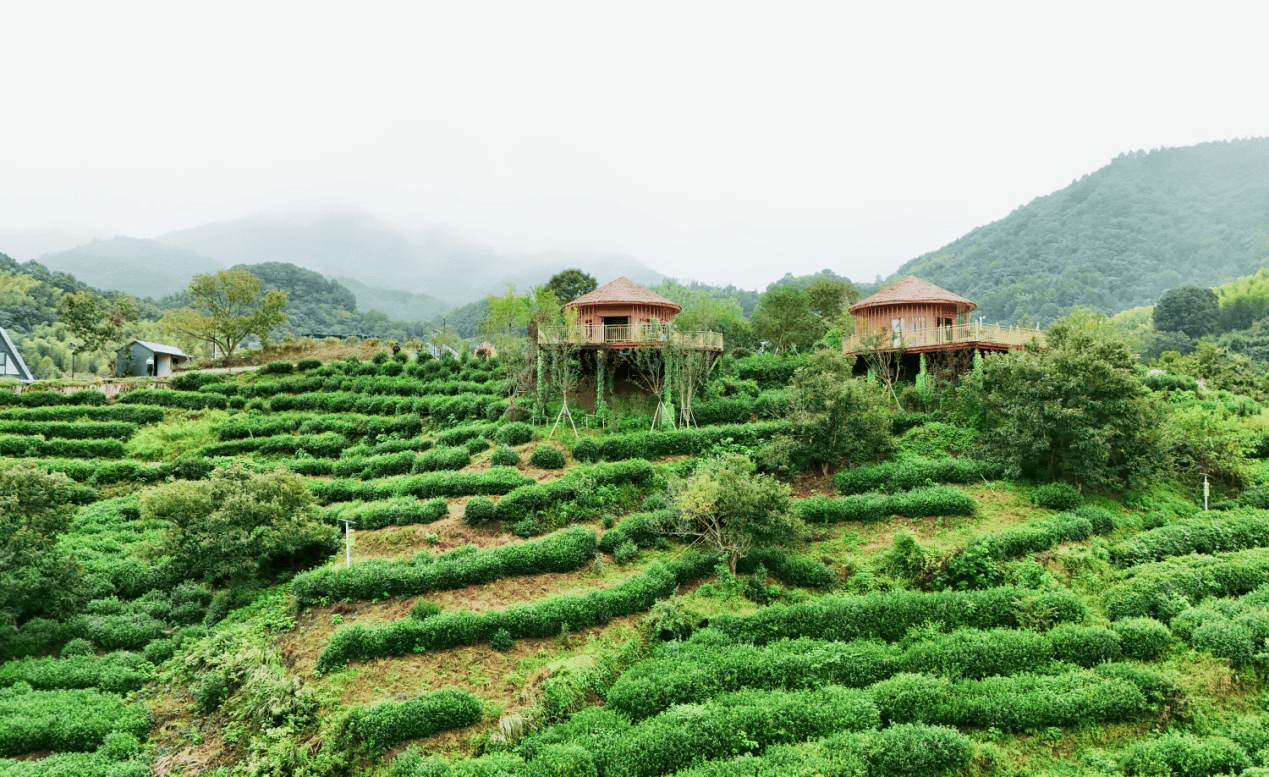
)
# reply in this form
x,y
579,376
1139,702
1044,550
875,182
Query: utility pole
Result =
x,y
74,347
1206,490
347,542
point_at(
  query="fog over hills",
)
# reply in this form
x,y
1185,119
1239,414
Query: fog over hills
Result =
x,y
346,243
145,268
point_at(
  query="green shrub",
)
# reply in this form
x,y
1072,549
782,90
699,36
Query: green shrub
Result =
x,y
625,553
504,457
529,527
190,400
75,413
921,502
1036,536
536,498
501,640
638,528
64,720
547,457
1086,646
78,647
1202,534
974,654
461,434
498,480
1226,639
654,445
304,365
513,434
1144,639
561,552
543,618
424,610
397,511
1183,754
908,749
442,459
478,510
912,473
1164,588
159,651
586,450
384,724
788,569
476,445
1057,496
889,615
277,368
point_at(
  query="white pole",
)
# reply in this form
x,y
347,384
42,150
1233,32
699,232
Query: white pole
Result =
x,y
347,542
1206,489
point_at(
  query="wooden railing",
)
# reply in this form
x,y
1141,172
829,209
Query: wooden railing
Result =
x,y
647,334
946,335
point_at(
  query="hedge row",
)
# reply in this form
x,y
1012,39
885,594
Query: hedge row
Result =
x,y
731,725
445,409
365,385
917,503
536,498
351,426
462,434
71,430
127,413
117,672
190,400
496,480
741,408
386,723
1202,534
560,552
709,664
789,569
911,473
401,463
544,618
889,615
1235,629
1037,536
324,445
639,528
34,446
1014,703
75,720
1164,588
400,511
655,445
51,398
103,763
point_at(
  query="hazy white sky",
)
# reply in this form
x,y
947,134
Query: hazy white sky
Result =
x,y
724,141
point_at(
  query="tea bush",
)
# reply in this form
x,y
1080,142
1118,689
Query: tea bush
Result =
x,y
1086,646
114,672
912,473
498,480
478,510
190,400
72,720
547,457
51,398
561,552
384,724
1180,753
637,528
1057,496
397,511
504,457
655,445
133,414
513,434
537,497
1163,589
1202,534
1144,639
442,459
918,503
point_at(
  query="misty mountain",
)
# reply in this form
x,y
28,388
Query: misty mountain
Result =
x,y
351,244
396,304
144,268
1117,238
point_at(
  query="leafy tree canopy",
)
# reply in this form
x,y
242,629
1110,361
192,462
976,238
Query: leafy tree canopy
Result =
x,y
226,308
785,320
35,507
834,416
1076,411
1188,309
96,319
568,285
238,525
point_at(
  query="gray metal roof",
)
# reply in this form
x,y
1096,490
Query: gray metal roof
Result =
x,y
13,349
159,348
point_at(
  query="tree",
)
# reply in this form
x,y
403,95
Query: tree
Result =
x,y
728,508
505,321
35,507
834,416
1190,309
784,319
1076,411
94,319
568,285
226,308
829,298
712,314
237,526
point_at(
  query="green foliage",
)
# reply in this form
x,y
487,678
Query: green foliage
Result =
x,y
1076,411
1165,588
72,720
277,368
625,552
443,458
568,285
190,400
1184,754
498,480
504,456
501,640
1201,534
478,510
117,672
577,484
833,416
547,457
655,445
1144,639
1057,496
1087,646
227,307
889,615
913,473
561,552
785,320
640,529
383,724
1188,309
35,507
238,525
540,619
397,511
516,433
917,503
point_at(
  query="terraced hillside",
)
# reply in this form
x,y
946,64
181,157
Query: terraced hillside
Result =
x,y
509,604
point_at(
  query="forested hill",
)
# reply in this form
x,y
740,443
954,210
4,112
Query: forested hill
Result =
x,y
1119,237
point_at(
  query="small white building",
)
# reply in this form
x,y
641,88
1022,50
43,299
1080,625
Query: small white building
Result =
x,y
11,364
142,359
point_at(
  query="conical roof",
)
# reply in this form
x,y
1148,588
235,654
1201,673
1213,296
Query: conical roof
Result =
x,y
622,291
912,290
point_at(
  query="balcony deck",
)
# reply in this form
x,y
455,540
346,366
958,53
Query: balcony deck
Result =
x,y
629,336
987,337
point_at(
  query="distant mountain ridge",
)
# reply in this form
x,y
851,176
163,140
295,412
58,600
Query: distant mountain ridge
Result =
x,y
145,268
1117,238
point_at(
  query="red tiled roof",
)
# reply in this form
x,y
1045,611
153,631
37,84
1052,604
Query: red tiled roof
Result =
x,y
912,290
622,291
